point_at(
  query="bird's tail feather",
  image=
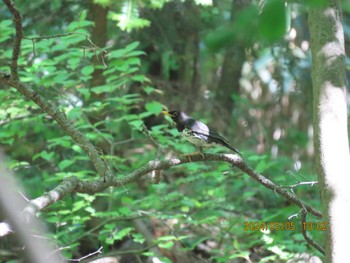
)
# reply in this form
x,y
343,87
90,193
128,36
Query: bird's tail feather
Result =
x,y
233,149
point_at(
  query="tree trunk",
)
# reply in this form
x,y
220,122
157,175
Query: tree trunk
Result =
x,y
330,126
230,71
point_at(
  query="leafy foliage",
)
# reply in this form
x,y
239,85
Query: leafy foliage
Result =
x,y
196,205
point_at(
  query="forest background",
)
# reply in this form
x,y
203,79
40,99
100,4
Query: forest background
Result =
x,y
111,67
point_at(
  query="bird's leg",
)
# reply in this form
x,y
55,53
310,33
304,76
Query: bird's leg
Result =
x,y
200,148
200,151
189,155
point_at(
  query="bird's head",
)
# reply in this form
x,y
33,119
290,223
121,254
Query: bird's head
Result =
x,y
176,116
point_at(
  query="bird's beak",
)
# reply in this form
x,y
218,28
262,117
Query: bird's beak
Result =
x,y
166,113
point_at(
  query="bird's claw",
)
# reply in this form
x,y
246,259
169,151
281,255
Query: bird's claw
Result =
x,y
189,155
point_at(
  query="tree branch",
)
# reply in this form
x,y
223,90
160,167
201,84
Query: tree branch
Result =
x,y
73,184
101,167
306,237
18,38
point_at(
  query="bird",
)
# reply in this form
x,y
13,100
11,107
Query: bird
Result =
x,y
196,132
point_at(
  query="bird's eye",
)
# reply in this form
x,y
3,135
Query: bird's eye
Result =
x,y
175,114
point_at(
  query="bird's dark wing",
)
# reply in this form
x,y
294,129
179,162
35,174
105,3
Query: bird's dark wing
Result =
x,y
198,128
216,137
202,131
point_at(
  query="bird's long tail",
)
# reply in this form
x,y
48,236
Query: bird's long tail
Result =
x,y
233,149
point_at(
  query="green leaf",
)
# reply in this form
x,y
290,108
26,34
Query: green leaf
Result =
x,y
138,238
64,141
102,89
73,62
53,219
119,53
228,34
154,107
125,211
132,61
44,155
139,78
90,210
6,30
128,51
79,205
273,20
109,87
5,23
122,233
107,214
75,113
65,163
16,164
236,244
257,157
132,46
128,18
87,70
148,89
136,53
263,166
136,124
166,238
317,3
127,200
166,245
77,148
64,212
83,15
86,92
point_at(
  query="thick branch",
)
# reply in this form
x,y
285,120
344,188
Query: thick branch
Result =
x,y
37,204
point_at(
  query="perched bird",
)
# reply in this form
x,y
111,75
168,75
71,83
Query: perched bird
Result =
x,y
197,132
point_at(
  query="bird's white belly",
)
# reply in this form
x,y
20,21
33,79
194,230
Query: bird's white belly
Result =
x,y
195,139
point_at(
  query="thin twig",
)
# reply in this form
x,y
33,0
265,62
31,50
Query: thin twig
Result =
x,y
24,197
99,251
160,149
296,214
306,237
292,174
101,51
156,174
312,183
132,251
58,250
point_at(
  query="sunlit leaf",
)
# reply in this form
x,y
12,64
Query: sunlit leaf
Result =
x,y
154,107
87,70
273,20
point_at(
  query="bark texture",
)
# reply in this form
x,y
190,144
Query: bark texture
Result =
x,y
330,125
